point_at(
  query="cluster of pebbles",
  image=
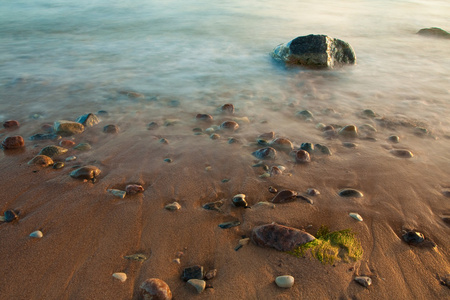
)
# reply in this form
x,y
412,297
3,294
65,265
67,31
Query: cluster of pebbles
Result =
x,y
268,149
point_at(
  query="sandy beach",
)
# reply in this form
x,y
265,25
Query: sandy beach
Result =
x,y
87,231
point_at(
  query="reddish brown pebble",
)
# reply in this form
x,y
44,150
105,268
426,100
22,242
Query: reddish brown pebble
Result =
x,y
67,143
231,125
204,117
228,108
13,142
132,189
302,156
155,289
10,124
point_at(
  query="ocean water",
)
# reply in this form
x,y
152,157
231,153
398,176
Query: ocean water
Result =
x,y
64,58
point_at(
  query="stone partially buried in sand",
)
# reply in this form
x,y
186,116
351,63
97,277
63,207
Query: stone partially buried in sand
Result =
x,y
66,128
285,196
86,172
154,289
282,144
403,153
52,151
229,125
41,161
133,189
265,153
350,193
280,237
13,142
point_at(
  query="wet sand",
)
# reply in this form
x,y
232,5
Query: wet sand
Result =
x,y
87,231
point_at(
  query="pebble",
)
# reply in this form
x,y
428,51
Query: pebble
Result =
x,y
111,129
305,115
302,156
86,172
214,136
103,113
282,144
284,196
192,272
272,190
177,260
71,158
227,108
120,276
197,129
284,281
11,124
413,237
394,139
264,175
356,216
368,113
323,149
164,141
320,126
53,150
239,201
231,224
275,171
268,135
168,160
349,131
214,205
83,147
10,215
363,280
37,234
44,136
312,192
88,120
152,126
47,127
117,193
403,153
13,142
308,147
173,206
155,289
229,125
350,193
137,257
58,165
262,142
67,128
171,122
233,140
199,284
210,130
310,201
280,237
367,128
211,274
41,161
204,117
265,153
132,189
349,145
265,203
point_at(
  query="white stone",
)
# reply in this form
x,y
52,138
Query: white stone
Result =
x,y
37,234
117,193
70,158
199,284
121,276
356,216
285,281
364,280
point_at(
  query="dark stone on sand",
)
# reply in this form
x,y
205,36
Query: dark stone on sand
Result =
x,y
312,192
239,201
216,205
154,289
132,189
168,160
403,153
413,237
322,149
262,142
214,136
350,193
363,280
86,172
204,117
233,141
88,120
13,142
152,126
52,151
315,51
41,161
394,139
58,165
193,272
44,136
229,125
284,196
11,124
231,224
301,157
434,32
111,129
446,220
446,193
305,114
227,108
197,129
265,153
308,147
272,190
10,215
67,128
349,145
102,113
280,237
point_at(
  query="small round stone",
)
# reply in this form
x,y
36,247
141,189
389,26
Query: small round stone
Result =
x,y
66,143
368,113
350,193
363,280
229,125
211,274
275,171
120,276
58,165
282,144
168,160
204,117
11,124
103,113
214,136
86,172
198,284
272,190
308,147
133,189
349,145
394,139
302,156
403,153
312,192
111,129
71,158
152,126
37,234
305,114
233,140
10,215
265,153
356,216
88,120
285,281
349,131
13,142
41,161
239,201
413,237
53,150
268,135
155,289
83,147
227,108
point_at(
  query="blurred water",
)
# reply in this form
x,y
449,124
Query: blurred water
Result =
x,y
75,56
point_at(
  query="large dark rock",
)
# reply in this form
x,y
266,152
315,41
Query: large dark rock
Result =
x,y
280,237
434,32
316,51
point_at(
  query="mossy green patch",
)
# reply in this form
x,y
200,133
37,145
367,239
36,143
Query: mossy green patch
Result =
x,y
329,247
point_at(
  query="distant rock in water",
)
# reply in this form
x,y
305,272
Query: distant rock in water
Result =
x,y
315,51
434,32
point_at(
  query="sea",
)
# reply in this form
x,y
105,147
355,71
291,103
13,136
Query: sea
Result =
x,y
60,59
